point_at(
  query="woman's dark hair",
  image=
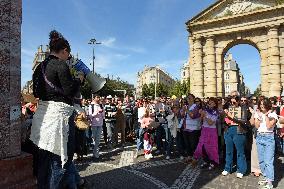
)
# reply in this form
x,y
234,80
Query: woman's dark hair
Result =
x,y
57,42
215,100
266,103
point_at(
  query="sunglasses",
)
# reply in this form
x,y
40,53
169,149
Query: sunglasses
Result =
x,y
243,100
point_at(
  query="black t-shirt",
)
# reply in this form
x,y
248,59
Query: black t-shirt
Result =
x,y
58,74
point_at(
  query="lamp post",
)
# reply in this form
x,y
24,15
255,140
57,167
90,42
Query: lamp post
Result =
x,y
94,42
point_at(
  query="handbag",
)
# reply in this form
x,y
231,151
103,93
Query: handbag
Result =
x,y
82,123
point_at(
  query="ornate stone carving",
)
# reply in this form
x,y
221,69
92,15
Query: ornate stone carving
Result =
x,y
241,6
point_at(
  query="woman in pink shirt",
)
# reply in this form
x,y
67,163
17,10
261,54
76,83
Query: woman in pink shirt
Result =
x,y
147,123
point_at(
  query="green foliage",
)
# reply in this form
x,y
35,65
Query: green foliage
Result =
x,y
279,2
180,88
108,89
257,91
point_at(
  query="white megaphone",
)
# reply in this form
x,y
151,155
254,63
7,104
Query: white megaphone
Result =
x,y
96,82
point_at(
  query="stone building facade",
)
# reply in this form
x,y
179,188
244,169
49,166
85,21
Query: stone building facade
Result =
x,y
40,56
154,75
233,78
185,72
227,23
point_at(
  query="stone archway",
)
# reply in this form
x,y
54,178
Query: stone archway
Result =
x,y
230,22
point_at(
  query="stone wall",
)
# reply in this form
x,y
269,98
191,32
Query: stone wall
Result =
x,y
10,77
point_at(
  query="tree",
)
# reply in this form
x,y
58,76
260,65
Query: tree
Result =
x,y
180,88
109,88
257,91
145,90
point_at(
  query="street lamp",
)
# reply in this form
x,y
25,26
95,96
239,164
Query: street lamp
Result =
x,y
94,42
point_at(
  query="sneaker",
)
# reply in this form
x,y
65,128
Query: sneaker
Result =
x,y
240,175
150,156
211,166
262,182
225,173
203,165
181,158
267,186
147,156
168,157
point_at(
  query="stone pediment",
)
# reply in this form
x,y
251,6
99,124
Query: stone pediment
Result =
x,y
225,8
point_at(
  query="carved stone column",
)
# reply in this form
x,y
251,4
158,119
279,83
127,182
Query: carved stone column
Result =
x,y
198,69
211,79
219,71
191,57
16,167
264,68
274,62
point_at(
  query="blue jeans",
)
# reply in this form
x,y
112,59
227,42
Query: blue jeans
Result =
x,y
266,148
169,140
96,134
139,137
51,175
233,138
110,128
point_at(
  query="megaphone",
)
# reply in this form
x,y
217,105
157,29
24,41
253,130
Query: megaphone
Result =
x,y
96,82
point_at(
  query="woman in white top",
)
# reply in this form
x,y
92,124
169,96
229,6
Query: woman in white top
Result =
x,y
265,121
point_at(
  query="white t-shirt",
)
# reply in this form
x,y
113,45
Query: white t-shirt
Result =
x,y
141,113
211,117
192,124
263,128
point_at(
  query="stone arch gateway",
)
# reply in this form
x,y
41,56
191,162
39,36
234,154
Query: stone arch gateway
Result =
x,y
226,23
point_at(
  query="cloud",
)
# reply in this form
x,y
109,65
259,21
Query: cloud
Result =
x,y
109,42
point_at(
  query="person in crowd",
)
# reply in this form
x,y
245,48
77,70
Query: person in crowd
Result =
x,y
173,124
255,169
102,103
81,147
128,116
162,111
235,134
142,106
208,141
220,128
110,113
148,129
192,126
97,115
181,122
55,87
265,120
120,123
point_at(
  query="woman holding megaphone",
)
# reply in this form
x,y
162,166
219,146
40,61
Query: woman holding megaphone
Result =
x,y
53,126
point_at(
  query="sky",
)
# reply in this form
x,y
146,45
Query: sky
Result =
x,y
133,33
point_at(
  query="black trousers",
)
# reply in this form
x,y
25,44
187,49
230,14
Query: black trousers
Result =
x,y
191,140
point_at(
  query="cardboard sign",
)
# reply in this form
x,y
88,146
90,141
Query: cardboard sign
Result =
x,y
236,113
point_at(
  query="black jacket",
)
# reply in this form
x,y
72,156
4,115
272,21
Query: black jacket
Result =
x,y
58,74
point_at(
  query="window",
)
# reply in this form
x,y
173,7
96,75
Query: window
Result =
x,y
227,65
227,76
183,74
227,88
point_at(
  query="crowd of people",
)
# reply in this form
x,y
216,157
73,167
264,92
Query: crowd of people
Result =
x,y
195,129
211,130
